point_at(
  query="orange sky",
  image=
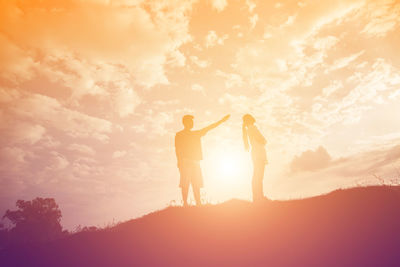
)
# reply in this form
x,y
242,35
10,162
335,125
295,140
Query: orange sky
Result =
x,y
92,93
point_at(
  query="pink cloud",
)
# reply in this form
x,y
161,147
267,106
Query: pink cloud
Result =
x,y
311,160
81,148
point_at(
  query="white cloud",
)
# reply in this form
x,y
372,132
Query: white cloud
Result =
x,y
219,5
383,16
394,94
345,61
50,113
15,62
231,79
301,4
13,155
58,162
290,20
251,5
198,62
325,43
332,87
118,154
8,95
212,39
126,100
159,121
253,20
140,40
22,132
176,59
198,88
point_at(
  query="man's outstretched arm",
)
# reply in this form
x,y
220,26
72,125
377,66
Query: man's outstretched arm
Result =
x,y
214,125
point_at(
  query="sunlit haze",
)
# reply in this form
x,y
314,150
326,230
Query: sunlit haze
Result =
x,y
93,92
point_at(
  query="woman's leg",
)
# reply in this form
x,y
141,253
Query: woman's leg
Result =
x,y
257,182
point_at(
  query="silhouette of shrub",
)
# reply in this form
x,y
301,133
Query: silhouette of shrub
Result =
x,y
79,229
35,221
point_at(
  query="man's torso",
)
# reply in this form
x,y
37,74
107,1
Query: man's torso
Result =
x,y
188,145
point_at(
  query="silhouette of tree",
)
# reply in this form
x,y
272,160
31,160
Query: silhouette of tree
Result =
x,y
35,221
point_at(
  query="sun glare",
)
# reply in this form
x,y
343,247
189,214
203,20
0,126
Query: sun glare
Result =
x,y
227,174
229,166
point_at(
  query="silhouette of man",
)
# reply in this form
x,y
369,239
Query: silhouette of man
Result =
x,y
189,154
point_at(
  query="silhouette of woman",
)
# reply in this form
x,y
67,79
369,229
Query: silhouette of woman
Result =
x,y
258,154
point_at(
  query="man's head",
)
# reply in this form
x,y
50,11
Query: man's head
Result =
x,y
187,121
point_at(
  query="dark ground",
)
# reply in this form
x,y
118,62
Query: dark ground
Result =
x,y
353,227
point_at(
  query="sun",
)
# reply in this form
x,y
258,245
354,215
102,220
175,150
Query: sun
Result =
x,y
228,166
227,173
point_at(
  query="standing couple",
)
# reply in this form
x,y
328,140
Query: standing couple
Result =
x,y
189,154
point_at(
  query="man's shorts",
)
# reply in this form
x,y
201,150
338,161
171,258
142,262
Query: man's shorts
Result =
x,y
190,172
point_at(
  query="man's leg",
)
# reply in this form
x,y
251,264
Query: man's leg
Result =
x,y
185,191
196,193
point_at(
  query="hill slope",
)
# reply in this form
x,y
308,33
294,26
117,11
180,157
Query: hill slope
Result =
x,y
354,227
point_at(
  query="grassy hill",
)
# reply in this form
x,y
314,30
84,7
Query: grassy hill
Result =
x,y
353,227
